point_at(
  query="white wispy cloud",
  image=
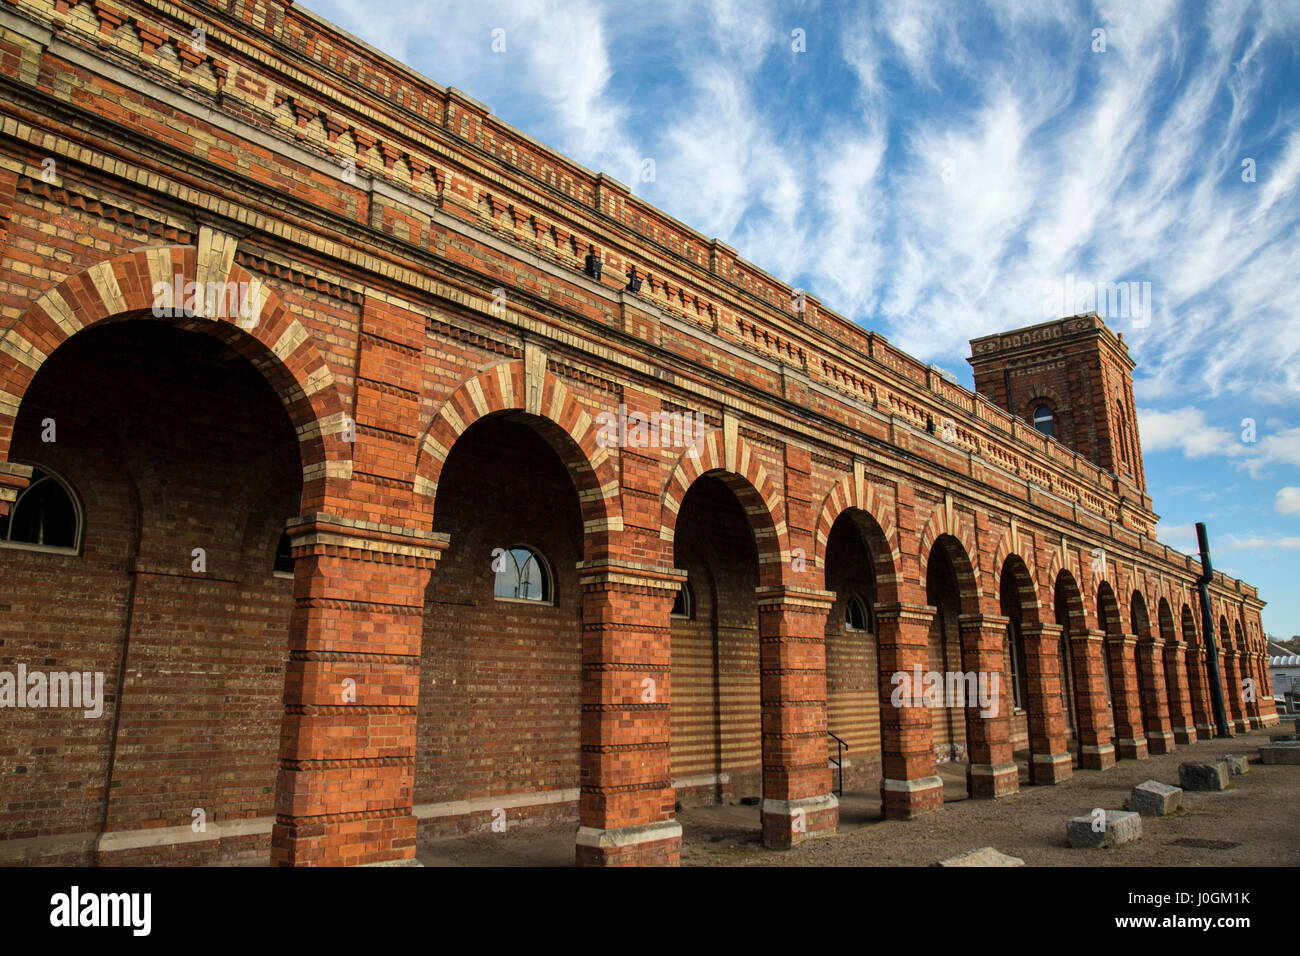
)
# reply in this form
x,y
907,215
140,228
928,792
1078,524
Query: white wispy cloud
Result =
x,y
1287,501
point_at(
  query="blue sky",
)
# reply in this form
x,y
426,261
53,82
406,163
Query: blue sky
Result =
x,y
934,170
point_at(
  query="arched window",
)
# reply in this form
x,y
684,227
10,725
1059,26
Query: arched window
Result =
x,y
1044,420
1123,432
684,603
856,615
284,555
46,515
521,575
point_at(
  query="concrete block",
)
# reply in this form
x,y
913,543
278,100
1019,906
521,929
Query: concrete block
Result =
x,y
1203,776
1237,764
986,856
1121,826
1285,753
1155,798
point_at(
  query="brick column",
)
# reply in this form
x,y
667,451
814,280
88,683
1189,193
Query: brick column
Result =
x,y
992,771
1129,737
1049,760
1232,691
627,800
1180,701
910,786
1268,714
347,745
1256,706
1096,732
1151,668
797,800
1199,685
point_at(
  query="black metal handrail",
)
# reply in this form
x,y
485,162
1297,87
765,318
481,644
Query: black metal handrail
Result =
x,y
838,760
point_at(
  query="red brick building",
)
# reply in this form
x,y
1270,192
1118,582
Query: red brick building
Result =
x,y
381,513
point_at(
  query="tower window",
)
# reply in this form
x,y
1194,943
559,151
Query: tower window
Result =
x,y
46,515
1045,421
521,575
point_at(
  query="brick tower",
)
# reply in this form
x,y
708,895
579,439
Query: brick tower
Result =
x,y
1071,378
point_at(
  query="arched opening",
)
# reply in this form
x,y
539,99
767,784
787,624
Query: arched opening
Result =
x,y
1068,611
1144,666
1197,676
1015,591
1249,684
1177,690
184,467
1231,676
950,590
1117,688
855,550
498,735
716,718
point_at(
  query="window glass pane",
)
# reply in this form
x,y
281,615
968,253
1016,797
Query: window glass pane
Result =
x,y
44,514
507,579
682,603
284,554
530,575
1045,421
522,575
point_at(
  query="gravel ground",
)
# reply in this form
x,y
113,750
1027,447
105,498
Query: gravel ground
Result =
x,y
1258,813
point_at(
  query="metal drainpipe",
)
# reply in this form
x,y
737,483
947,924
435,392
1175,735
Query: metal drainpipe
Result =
x,y
1207,625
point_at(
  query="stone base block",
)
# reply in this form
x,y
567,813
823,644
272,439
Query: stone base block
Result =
x,y
1097,756
1288,754
787,823
1203,776
1156,799
1050,768
1184,736
1283,738
1160,743
986,856
1114,828
1205,731
1237,764
1132,749
303,842
907,799
649,844
993,780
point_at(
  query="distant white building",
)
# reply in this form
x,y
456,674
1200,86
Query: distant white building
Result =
x,y
1284,670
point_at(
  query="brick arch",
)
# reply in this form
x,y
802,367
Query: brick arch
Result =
x,y
1066,590
556,414
1110,613
273,340
949,521
844,495
1009,547
1026,586
1044,395
749,481
1165,621
1139,619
